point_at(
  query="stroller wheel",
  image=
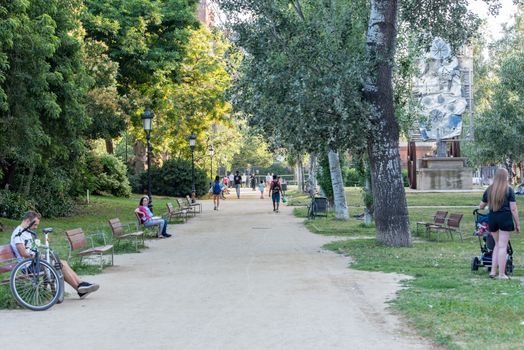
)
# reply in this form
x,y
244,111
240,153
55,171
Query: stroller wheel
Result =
x,y
475,262
509,265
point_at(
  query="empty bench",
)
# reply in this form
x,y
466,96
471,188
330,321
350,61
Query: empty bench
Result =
x,y
79,246
119,232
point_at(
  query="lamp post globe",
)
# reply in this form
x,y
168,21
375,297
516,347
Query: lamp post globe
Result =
x,y
192,145
147,122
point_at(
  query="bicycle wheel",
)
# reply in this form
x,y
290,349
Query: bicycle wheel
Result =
x,y
57,264
35,284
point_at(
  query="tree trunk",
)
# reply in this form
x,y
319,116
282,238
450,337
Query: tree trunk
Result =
x,y
389,198
339,197
109,146
312,179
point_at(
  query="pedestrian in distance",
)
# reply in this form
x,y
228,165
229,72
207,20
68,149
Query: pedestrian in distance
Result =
x,y
238,182
217,191
276,190
261,188
503,219
21,241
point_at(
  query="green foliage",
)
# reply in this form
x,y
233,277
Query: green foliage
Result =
x,y
172,179
50,190
108,175
301,79
351,177
13,205
324,176
253,153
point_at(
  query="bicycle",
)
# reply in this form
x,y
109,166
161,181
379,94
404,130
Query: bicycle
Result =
x,y
38,284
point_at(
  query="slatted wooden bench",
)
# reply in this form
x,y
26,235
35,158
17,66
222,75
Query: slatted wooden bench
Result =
x,y
185,206
7,262
79,247
120,232
194,204
438,220
452,225
175,212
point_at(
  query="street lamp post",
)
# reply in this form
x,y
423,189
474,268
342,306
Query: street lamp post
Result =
x,y
147,121
192,145
211,154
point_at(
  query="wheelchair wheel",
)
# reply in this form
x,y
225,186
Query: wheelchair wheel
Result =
x,y
57,264
35,285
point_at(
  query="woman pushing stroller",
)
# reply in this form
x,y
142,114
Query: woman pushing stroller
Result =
x,y
503,219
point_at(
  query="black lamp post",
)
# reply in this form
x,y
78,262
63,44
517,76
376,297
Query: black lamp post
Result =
x,y
147,120
211,150
192,145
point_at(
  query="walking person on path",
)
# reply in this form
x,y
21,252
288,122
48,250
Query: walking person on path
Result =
x,y
217,191
238,182
261,188
276,190
502,220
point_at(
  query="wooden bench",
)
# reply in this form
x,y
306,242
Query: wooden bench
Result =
x,y
7,262
175,212
318,205
194,204
120,232
79,247
185,206
438,220
452,225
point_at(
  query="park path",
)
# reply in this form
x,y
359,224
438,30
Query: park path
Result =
x,y
240,278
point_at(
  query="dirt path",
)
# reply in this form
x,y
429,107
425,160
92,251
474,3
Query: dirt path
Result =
x,y
239,278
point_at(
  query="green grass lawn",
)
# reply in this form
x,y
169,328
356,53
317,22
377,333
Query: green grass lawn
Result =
x,y
445,301
92,218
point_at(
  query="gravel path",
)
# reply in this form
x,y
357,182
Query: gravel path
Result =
x,y
240,278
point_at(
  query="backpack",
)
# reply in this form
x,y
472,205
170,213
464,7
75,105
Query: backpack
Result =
x,y
216,188
276,187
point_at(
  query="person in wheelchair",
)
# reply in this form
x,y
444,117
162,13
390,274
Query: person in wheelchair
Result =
x,y
21,240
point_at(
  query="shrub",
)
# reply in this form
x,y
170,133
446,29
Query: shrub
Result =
x,y
13,205
50,191
324,177
172,179
352,177
110,175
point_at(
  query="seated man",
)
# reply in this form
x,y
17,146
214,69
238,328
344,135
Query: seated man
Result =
x,y
21,241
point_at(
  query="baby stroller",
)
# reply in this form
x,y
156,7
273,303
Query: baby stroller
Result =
x,y
487,243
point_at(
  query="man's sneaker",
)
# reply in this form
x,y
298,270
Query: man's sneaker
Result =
x,y
85,287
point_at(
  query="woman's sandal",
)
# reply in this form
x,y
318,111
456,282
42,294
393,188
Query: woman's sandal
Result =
x,y
504,278
492,276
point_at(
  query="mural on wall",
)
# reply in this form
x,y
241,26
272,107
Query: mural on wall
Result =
x,y
440,93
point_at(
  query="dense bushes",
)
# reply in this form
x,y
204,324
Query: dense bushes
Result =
x,y
172,179
13,204
107,175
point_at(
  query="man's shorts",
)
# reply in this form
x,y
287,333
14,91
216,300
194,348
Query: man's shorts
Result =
x,y
276,197
501,220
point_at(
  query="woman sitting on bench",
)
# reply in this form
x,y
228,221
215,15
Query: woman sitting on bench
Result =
x,y
147,218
